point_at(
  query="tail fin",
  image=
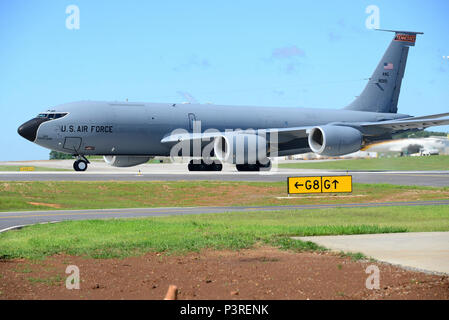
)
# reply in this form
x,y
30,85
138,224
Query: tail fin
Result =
x,y
382,91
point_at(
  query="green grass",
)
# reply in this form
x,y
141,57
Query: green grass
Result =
x,y
439,162
354,255
52,281
178,234
50,195
17,168
24,270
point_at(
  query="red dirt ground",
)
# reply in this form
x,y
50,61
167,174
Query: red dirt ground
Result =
x,y
259,273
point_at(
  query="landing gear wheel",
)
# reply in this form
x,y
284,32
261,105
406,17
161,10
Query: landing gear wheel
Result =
x,y
247,167
204,166
80,165
266,166
254,167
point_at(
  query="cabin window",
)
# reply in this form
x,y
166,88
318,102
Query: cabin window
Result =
x,y
52,115
60,115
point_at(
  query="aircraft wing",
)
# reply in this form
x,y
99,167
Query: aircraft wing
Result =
x,y
423,122
284,134
175,137
393,125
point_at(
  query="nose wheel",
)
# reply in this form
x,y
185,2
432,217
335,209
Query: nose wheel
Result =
x,y
80,165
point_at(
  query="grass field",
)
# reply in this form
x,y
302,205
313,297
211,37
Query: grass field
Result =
x,y
177,234
395,164
49,195
17,168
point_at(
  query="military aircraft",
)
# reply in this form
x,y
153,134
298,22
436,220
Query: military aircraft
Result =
x,y
130,133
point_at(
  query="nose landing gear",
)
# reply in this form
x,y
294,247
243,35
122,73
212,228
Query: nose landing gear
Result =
x,y
80,164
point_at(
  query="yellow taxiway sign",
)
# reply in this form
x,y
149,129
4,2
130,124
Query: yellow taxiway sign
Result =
x,y
26,168
325,184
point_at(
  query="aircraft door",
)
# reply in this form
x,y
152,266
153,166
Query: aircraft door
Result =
x,y
72,144
192,118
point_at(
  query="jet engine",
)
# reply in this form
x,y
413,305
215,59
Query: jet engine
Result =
x,y
125,161
332,140
241,148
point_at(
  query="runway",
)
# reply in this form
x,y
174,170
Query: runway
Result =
x,y
177,171
422,178
10,219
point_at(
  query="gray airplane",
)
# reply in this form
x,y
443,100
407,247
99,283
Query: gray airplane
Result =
x,y
130,133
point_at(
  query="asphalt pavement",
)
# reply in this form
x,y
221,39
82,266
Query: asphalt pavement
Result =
x,y
100,171
428,178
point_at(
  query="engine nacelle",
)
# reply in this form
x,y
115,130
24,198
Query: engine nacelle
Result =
x,y
125,161
332,140
241,148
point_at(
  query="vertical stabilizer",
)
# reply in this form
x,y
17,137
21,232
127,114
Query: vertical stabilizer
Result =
x,y
381,93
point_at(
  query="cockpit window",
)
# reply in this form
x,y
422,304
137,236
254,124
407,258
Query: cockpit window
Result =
x,y
51,115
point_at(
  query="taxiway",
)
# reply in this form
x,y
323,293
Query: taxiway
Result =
x,y
21,218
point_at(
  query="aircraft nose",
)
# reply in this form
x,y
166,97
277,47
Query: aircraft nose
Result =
x,y
28,130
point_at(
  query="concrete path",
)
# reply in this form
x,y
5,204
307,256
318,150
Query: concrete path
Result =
x,y
426,251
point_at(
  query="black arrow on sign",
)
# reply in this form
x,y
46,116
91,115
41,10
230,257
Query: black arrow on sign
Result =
x,y
335,182
296,185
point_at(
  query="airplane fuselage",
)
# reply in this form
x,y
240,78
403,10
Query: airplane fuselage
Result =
x,y
129,128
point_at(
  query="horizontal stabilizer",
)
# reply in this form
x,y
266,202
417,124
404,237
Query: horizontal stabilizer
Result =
x,y
408,37
411,123
432,116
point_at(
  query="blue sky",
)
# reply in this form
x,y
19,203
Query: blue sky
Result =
x,y
274,53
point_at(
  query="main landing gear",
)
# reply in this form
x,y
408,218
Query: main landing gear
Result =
x,y
80,164
202,166
254,167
